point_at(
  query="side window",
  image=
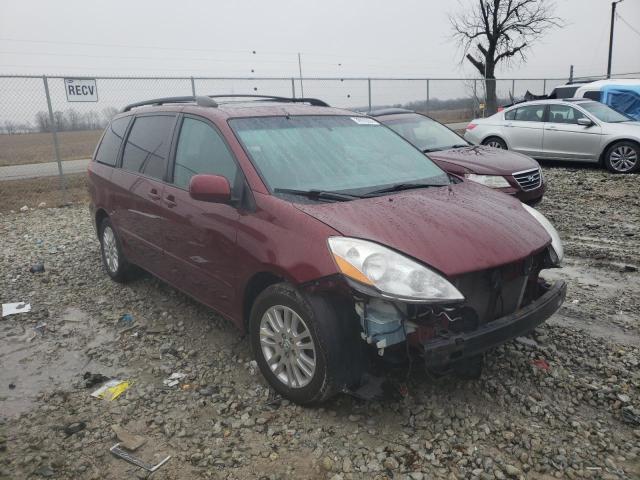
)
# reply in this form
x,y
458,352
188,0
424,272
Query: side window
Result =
x,y
147,147
563,114
108,150
531,113
510,115
593,95
201,150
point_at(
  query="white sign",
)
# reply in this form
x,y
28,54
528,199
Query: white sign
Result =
x,y
81,89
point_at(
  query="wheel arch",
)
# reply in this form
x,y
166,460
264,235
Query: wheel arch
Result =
x,y
611,143
100,215
495,135
254,287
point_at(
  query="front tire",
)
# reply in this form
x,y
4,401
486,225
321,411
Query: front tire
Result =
x,y
623,157
303,343
113,259
495,142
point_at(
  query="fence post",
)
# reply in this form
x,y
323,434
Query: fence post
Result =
x,y
544,86
476,103
427,105
369,86
56,147
293,87
193,87
513,88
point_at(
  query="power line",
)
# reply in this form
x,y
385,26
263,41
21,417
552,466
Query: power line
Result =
x,y
621,18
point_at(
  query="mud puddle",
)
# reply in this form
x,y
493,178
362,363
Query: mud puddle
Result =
x,y
46,358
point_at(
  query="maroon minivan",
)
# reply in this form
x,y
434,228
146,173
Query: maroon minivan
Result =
x,y
320,232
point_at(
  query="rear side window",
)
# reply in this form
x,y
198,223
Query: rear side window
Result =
x,y
510,115
201,150
110,146
593,95
531,113
147,147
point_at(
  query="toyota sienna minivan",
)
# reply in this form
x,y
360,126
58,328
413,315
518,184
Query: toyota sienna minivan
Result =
x,y
320,232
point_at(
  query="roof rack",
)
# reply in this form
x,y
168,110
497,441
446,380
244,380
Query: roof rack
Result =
x,y
208,100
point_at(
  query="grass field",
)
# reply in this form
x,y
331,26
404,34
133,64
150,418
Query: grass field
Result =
x,y
17,193
27,148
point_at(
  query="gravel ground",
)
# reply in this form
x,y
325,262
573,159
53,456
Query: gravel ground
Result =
x,y
558,406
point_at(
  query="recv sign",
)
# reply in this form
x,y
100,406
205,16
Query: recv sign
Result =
x,y
81,89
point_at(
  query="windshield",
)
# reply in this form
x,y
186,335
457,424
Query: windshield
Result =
x,y
332,153
423,132
604,113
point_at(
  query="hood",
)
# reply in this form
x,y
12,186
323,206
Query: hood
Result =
x,y
485,160
455,230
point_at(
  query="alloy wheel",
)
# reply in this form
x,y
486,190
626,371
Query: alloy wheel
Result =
x,y
623,158
110,249
287,346
494,144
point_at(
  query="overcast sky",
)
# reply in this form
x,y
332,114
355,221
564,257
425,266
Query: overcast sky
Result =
x,y
399,38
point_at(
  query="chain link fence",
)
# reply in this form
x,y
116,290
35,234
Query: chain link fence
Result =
x,y
43,134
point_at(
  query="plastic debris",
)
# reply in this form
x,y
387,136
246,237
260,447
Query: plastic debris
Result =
x,y
541,364
127,457
112,389
93,379
128,440
631,415
13,308
125,320
174,379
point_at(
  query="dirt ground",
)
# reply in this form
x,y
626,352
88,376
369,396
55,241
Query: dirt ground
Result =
x,y
21,149
44,192
563,403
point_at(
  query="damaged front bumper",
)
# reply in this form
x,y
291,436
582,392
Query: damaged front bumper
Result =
x,y
440,350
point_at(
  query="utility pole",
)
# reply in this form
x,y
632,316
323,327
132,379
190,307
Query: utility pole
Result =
x,y
571,74
300,70
613,21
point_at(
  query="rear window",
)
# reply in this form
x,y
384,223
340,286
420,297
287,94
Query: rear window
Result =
x,y
147,147
110,146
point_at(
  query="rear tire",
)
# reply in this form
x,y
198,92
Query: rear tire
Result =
x,y
623,157
495,142
113,259
305,347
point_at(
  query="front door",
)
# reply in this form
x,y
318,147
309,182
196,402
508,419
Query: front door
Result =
x,y
200,237
564,139
523,129
139,216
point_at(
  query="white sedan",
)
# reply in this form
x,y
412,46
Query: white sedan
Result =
x,y
574,129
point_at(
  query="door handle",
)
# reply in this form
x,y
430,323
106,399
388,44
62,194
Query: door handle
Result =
x,y
552,127
153,194
508,125
170,201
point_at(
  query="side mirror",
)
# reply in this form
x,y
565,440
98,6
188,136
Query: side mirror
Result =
x,y
210,188
585,122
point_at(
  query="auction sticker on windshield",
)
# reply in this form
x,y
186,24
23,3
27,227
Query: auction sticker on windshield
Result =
x,y
364,121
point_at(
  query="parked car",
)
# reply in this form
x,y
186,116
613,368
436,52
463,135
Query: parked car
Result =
x,y
321,233
571,129
508,172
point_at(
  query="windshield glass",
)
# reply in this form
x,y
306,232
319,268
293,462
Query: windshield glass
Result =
x,y
332,153
423,132
604,112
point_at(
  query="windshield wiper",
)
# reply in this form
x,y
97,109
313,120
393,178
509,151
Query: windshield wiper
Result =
x,y
399,187
436,149
318,194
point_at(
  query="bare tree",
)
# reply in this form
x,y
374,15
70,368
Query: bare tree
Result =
x,y
500,31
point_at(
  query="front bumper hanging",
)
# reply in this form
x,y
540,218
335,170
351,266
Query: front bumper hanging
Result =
x,y
441,351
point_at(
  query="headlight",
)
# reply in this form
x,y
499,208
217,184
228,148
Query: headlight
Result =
x,y
393,274
556,243
491,181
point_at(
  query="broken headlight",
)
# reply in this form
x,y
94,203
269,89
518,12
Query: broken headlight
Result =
x,y
557,253
392,274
